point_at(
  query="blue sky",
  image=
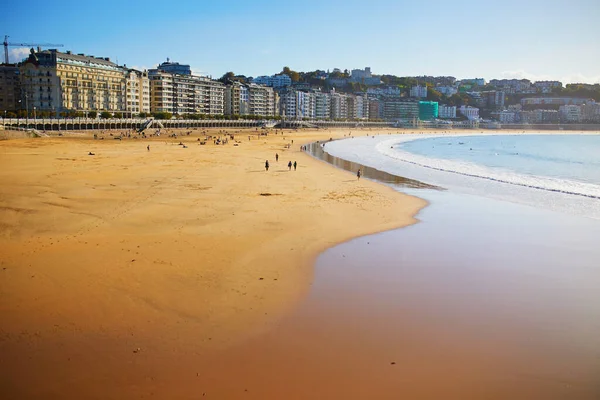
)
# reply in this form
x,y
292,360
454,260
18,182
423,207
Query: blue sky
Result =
x,y
534,39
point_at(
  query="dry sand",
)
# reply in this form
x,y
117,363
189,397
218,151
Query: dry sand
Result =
x,y
120,269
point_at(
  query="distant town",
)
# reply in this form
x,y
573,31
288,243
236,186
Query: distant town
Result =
x,y
54,84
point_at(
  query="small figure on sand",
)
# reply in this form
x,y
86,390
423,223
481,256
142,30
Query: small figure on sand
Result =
x,y
358,174
148,147
295,165
91,154
290,166
276,157
267,165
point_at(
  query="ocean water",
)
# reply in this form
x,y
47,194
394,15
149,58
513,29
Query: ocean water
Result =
x,y
556,172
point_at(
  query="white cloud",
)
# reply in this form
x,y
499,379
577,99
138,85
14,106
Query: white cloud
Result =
x,y
17,54
572,78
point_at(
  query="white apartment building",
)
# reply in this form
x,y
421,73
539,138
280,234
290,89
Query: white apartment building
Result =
x,y
386,91
445,111
570,113
590,112
305,103
276,81
508,117
322,105
472,113
339,105
249,99
185,94
447,90
137,92
287,104
418,91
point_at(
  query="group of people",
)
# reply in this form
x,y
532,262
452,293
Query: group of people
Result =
x,y
290,165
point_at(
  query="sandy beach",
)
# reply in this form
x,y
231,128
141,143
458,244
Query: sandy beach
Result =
x,y
121,267
191,272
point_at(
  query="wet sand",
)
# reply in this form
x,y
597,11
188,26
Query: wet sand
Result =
x,y
121,271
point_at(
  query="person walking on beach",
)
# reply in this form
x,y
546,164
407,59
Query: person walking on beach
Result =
x,y
148,147
267,165
295,165
276,157
290,166
358,174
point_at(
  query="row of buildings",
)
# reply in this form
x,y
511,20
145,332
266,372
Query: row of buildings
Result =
x,y
55,82
566,113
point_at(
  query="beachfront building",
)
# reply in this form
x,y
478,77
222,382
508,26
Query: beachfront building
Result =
x,y
428,110
250,99
507,117
275,81
236,98
137,86
590,113
445,111
322,105
472,113
10,88
339,105
185,94
55,81
375,109
400,109
418,91
262,100
570,113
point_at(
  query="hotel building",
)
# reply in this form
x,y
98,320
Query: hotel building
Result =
x,y
56,81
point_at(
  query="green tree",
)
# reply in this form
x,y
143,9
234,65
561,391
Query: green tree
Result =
x,y
434,95
228,76
92,114
142,115
118,115
105,115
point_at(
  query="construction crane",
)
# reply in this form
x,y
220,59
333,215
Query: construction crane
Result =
x,y
6,44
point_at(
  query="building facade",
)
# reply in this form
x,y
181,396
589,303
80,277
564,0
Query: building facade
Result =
x,y
570,113
55,81
400,109
10,88
418,91
428,110
472,113
275,81
137,94
185,94
445,111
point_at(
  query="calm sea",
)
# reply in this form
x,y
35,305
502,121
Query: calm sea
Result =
x,y
557,172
